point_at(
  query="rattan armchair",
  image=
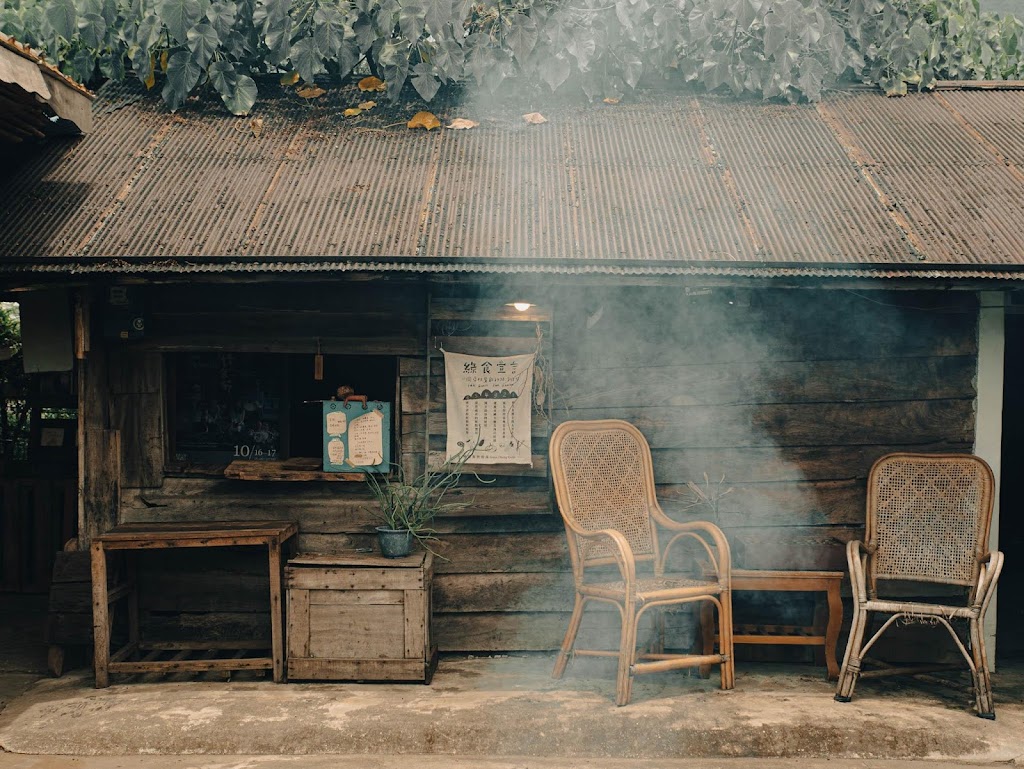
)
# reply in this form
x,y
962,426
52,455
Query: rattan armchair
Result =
x,y
604,485
928,518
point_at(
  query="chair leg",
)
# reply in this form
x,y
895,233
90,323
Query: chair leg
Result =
x,y
570,637
707,634
725,642
627,655
982,678
852,659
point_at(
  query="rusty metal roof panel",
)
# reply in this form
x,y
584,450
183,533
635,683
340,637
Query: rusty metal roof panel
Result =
x,y
955,198
803,198
645,176
348,193
997,122
668,181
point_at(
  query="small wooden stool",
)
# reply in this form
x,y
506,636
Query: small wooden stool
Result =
x,y
785,581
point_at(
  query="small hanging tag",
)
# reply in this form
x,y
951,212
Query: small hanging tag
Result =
x,y
318,364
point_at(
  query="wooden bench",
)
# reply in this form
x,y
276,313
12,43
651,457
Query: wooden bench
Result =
x,y
822,634
151,536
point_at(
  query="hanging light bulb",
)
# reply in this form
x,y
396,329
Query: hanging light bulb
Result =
x,y
521,306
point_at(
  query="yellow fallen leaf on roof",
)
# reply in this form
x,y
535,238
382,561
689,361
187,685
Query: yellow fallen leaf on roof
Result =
x,y
534,118
256,126
150,80
311,92
365,105
426,120
461,124
612,100
372,84
289,78
163,60
352,112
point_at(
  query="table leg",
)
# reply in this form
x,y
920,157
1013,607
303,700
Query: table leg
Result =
x,y
132,576
100,616
835,622
276,622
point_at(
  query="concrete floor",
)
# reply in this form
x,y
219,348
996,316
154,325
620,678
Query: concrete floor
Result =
x,y
495,712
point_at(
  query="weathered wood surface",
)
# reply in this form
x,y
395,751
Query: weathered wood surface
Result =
x,y
137,410
792,395
100,482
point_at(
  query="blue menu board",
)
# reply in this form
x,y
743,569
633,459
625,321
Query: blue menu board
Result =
x,y
357,436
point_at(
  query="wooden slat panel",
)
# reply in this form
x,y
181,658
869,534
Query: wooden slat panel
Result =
x,y
770,382
101,481
360,597
298,623
351,631
355,579
357,670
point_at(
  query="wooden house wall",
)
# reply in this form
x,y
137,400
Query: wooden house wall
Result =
x,y
790,394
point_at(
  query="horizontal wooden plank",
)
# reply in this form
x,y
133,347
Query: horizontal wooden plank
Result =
x,y
515,592
204,590
223,342
781,464
300,669
371,579
762,382
796,424
615,329
185,665
543,631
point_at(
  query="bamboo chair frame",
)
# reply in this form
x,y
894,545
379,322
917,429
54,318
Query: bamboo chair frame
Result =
x,y
604,486
919,507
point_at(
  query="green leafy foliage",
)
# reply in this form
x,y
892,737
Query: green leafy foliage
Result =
x,y
789,49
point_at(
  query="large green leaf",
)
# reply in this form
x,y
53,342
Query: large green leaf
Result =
x,y
307,59
179,16
424,81
328,31
554,71
203,42
521,37
182,75
93,29
63,17
238,92
437,15
411,18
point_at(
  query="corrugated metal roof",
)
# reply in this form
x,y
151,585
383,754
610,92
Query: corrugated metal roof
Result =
x,y
930,185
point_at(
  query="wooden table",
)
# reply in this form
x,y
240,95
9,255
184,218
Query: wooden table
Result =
x,y
154,536
825,635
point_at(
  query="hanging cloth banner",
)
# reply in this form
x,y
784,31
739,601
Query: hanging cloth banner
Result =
x,y
488,403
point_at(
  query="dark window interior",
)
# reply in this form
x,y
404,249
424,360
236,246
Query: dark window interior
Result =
x,y
232,405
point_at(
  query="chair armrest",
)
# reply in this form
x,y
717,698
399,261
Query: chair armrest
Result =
x,y
717,550
622,553
991,566
857,554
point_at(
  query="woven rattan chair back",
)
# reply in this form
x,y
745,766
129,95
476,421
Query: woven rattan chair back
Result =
x,y
604,480
928,516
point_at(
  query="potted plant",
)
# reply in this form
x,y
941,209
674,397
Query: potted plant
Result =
x,y
407,508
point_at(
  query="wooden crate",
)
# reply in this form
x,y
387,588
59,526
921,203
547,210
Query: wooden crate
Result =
x,y
360,617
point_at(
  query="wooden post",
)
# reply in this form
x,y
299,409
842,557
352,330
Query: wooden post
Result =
x,y
100,616
99,482
276,624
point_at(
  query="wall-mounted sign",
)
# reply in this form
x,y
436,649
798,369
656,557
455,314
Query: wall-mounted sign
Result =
x,y
357,436
488,406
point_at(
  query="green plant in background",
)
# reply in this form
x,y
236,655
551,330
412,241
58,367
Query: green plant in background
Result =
x,y
14,386
413,504
602,49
